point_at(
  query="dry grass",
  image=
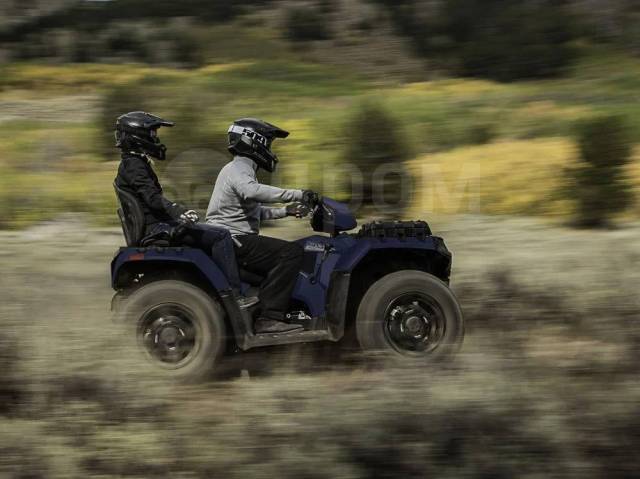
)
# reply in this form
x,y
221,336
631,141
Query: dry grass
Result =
x,y
509,177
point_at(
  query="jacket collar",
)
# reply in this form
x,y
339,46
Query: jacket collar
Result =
x,y
132,154
246,160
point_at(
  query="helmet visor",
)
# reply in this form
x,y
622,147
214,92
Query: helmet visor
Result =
x,y
254,135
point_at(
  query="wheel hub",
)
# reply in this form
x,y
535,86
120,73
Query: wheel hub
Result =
x,y
168,336
413,325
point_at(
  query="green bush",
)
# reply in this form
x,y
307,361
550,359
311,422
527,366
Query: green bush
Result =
x,y
122,40
377,148
598,184
306,23
188,47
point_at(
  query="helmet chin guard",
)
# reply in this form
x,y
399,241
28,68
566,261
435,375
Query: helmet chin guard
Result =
x,y
253,138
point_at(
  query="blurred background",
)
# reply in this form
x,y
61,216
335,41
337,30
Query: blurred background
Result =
x,y
513,127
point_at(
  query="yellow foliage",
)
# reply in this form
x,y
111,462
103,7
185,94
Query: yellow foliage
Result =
x,y
454,87
539,110
91,76
510,177
223,67
65,76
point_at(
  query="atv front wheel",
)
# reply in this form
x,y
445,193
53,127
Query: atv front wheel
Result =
x,y
178,327
410,314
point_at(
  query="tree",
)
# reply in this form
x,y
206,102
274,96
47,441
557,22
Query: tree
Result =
x,y
306,23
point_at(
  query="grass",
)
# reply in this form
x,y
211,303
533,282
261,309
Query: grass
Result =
x,y
547,371
65,79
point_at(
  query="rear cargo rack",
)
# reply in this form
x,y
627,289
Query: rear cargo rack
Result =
x,y
395,229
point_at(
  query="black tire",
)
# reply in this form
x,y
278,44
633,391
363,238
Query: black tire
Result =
x,y
182,312
431,310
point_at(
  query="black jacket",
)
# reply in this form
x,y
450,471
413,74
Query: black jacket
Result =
x,y
136,176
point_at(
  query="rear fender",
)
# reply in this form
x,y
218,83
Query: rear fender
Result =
x,y
149,259
198,268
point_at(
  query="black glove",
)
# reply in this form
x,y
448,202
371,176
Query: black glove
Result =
x,y
175,210
310,198
297,209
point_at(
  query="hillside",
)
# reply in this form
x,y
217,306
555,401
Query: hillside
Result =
x,y
56,147
196,32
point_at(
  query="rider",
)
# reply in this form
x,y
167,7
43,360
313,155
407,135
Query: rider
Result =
x,y
236,204
137,138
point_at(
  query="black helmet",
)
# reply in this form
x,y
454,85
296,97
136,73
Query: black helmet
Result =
x,y
252,138
136,132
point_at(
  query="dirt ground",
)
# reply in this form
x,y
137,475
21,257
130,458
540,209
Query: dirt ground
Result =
x,y
545,385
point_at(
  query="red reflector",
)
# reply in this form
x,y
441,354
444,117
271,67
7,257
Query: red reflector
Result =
x,y
136,257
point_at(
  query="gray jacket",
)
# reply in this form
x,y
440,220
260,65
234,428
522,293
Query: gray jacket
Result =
x,y
236,202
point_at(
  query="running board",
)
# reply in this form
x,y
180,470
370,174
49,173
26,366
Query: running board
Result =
x,y
271,339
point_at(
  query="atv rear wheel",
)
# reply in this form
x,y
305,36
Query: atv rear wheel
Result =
x,y
410,314
178,326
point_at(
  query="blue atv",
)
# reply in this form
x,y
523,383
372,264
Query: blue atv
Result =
x,y
386,285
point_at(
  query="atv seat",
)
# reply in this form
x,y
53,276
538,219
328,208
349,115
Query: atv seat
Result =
x,y
132,221
131,216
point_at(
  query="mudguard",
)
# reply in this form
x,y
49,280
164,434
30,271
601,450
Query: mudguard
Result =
x,y
196,258
360,247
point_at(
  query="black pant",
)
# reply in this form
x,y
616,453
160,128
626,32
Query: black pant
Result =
x,y
217,243
279,262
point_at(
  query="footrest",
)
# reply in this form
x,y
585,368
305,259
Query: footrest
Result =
x,y
273,339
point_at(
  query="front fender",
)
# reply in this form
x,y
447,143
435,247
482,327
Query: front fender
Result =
x,y
363,246
148,258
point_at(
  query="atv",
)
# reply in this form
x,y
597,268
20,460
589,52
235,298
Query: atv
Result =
x,y
386,285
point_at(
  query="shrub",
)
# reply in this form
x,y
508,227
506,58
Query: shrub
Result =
x,y
598,184
188,47
378,149
123,40
306,23
481,133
